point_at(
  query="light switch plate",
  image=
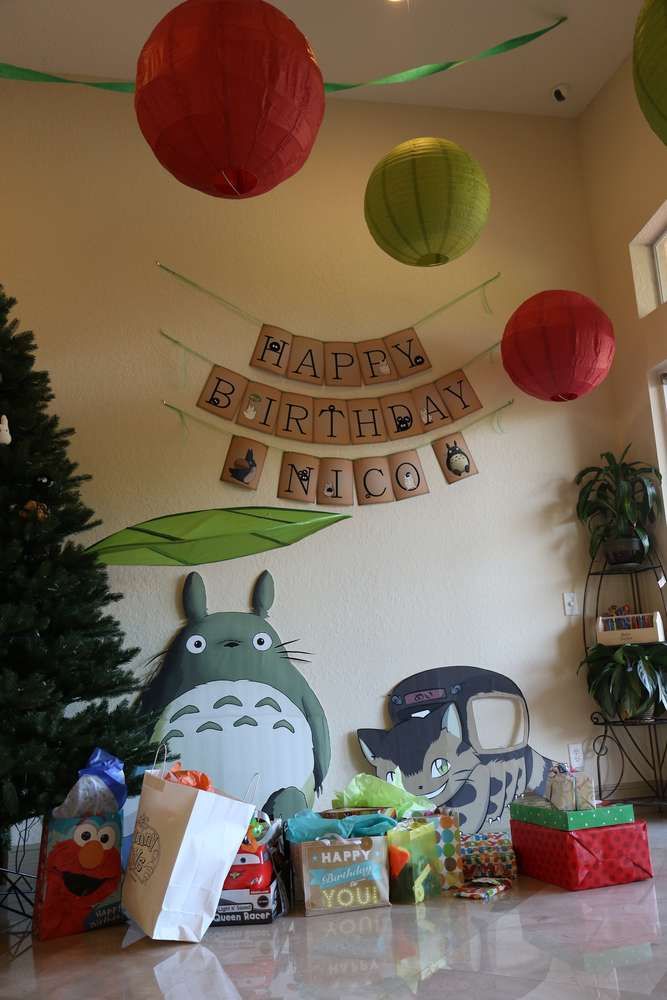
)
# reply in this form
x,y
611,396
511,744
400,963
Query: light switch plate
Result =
x,y
570,603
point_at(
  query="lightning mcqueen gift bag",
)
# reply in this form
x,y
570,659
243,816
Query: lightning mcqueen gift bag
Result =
x,y
254,890
583,859
78,884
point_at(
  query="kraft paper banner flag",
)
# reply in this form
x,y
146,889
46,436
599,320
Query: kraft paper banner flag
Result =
x,y
341,365
306,361
244,463
298,477
372,477
222,393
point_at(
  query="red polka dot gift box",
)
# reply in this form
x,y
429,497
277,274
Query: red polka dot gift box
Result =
x,y
583,859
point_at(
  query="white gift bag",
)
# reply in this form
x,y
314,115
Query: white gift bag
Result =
x,y
184,843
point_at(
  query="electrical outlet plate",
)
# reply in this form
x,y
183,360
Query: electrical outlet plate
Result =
x,y
575,752
570,603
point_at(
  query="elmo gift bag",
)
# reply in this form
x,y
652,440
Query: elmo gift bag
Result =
x,y
79,876
185,841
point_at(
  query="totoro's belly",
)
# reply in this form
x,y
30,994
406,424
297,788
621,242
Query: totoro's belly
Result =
x,y
233,730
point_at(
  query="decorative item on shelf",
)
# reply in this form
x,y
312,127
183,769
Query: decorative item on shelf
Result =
x,y
558,345
436,747
231,702
426,202
229,96
34,510
619,501
648,61
5,436
196,537
616,630
629,681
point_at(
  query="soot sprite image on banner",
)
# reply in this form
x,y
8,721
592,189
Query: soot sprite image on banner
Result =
x,y
232,704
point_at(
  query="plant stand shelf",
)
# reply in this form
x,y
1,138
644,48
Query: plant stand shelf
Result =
x,y
642,577
648,763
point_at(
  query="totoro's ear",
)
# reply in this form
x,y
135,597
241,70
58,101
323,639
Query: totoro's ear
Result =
x,y
263,594
369,741
451,721
194,597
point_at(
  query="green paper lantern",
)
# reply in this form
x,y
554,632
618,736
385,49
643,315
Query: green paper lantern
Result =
x,y
426,202
649,62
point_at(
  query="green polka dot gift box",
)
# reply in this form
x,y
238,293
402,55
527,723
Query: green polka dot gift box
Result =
x,y
573,819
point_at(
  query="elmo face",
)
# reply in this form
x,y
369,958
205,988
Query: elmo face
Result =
x,y
80,872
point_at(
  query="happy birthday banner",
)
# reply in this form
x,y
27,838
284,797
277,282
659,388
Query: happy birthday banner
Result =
x,y
326,420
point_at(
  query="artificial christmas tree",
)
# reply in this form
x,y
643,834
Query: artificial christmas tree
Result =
x,y
61,654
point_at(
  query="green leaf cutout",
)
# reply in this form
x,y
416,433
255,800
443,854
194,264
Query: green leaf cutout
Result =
x,y
206,536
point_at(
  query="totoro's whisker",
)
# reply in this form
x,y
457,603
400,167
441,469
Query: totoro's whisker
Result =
x,y
297,652
288,642
296,659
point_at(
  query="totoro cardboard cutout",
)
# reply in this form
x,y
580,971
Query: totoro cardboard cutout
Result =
x,y
232,704
436,746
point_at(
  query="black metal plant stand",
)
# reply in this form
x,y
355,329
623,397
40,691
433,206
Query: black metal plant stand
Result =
x,y
628,735
649,764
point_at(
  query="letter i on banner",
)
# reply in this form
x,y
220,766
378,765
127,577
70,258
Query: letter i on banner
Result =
x,y
222,393
335,484
259,407
298,477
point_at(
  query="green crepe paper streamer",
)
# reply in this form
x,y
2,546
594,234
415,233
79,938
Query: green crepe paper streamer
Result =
x,y
9,72
206,536
431,69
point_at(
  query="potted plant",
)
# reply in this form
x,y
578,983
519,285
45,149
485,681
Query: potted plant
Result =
x,y
628,681
618,501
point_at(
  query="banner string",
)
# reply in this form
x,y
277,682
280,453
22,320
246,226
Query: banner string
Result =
x,y
209,361
8,71
256,321
185,415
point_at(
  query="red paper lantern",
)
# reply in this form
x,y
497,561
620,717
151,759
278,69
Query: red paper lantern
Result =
x,y
558,346
229,96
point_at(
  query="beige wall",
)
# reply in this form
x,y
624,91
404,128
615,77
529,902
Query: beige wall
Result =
x,y
625,170
470,574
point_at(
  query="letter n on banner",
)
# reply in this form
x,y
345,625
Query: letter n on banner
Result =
x,y
298,477
223,392
372,478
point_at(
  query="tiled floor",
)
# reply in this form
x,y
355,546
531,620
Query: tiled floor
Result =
x,y
536,941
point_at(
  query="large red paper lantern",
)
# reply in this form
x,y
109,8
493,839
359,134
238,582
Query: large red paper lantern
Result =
x,y
229,96
558,346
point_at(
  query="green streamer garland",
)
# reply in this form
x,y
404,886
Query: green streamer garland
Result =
x,y
11,72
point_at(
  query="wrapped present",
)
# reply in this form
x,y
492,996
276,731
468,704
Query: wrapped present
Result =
x,y
489,855
483,888
79,876
583,859
339,875
584,791
572,819
449,845
561,790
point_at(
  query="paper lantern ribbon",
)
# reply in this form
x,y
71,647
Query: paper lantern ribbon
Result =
x,y
11,72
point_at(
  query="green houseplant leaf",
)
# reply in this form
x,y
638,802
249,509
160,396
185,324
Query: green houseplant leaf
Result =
x,y
627,681
618,500
205,536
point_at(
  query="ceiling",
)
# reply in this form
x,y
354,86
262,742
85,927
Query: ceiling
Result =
x,y
361,39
